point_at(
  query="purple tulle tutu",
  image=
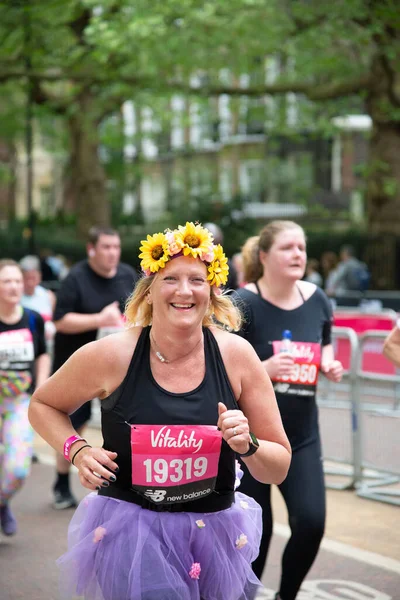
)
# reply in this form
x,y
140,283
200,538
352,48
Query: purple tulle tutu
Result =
x,y
120,551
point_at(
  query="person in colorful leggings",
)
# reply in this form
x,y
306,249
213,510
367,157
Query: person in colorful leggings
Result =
x,y
23,364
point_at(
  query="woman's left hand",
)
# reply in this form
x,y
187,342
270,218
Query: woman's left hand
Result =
x,y
235,428
333,370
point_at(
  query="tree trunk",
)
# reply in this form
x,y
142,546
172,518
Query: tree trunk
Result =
x,y
92,206
383,178
7,187
383,174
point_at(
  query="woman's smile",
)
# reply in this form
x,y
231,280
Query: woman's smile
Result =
x,y
182,306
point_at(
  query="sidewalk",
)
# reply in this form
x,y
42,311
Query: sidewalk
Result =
x,y
360,523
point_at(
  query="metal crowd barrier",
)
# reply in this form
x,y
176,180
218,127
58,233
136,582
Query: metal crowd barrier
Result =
x,y
339,415
381,431
359,435
362,321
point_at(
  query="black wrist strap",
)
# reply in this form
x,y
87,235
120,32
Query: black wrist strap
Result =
x,y
79,449
252,450
253,446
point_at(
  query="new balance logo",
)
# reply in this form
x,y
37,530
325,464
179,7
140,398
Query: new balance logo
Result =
x,y
282,388
155,495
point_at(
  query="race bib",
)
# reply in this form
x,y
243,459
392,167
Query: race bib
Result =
x,y
307,361
16,349
174,463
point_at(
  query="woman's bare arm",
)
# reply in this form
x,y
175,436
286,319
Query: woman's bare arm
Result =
x,y
94,370
391,346
257,402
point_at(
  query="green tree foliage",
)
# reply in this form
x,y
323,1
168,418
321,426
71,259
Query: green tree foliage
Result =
x,y
83,58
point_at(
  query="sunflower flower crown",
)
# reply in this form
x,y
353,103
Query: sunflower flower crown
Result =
x,y
189,240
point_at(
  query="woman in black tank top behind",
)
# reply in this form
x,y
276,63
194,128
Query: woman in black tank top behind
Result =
x,y
288,322
179,396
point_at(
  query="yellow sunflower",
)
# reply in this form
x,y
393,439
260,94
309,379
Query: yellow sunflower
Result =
x,y
193,239
218,269
154,252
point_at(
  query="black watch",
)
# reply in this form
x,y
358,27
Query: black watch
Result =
x,y
254,445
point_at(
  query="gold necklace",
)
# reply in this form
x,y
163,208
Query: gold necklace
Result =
x,y
162,358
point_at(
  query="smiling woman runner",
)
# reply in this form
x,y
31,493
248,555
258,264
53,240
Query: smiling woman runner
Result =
x,y
180,395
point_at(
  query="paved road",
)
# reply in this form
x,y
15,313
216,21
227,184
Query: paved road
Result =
x,y
342,571
339,573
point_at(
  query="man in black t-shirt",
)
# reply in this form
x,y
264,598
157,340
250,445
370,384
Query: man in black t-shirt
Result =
x,y
91,297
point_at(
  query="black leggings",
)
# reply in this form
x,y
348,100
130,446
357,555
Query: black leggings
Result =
x,y
304,493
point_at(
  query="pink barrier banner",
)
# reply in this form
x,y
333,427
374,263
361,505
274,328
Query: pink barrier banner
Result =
x,y
373,360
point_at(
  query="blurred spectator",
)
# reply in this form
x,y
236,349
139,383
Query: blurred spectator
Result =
x,y
36,296
216,231
329,261
312,274
58,264
351,274
48,273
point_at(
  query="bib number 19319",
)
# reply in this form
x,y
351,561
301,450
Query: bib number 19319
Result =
x,y
176,470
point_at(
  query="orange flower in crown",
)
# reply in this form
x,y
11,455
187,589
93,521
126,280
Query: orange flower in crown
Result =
x,y
190,240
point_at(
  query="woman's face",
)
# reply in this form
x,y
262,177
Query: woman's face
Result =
x,y
180,293
11,285
287,256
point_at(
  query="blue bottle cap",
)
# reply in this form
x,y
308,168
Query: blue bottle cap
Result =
x,y
287,334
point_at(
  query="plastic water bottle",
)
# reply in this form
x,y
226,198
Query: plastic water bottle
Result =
x,y
286,342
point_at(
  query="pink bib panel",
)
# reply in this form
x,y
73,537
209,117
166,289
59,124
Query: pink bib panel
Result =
x,y
307,362
174,463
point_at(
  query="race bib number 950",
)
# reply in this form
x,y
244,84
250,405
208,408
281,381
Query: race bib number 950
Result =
x,y
307,360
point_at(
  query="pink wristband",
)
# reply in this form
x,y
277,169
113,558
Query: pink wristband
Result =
x,y
68,443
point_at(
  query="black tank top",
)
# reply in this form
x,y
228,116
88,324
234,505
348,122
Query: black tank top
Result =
x,y
140,400
310,325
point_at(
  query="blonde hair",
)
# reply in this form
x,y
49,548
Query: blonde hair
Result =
x,y
9,262
251,265
253,269
222,312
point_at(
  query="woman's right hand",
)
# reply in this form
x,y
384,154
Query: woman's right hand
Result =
x,y
279,364
96,467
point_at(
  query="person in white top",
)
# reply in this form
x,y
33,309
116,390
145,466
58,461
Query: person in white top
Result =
x,y
38,298
35,296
